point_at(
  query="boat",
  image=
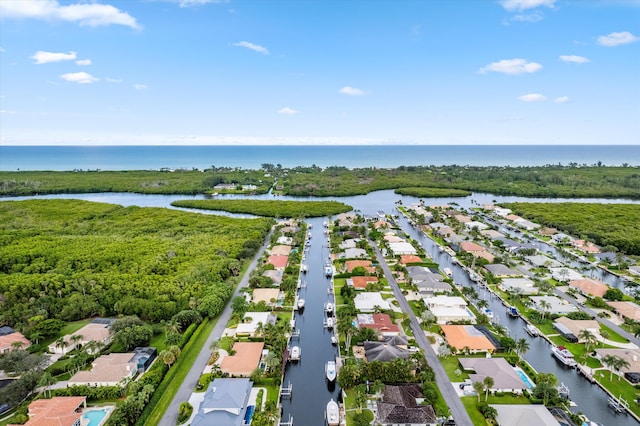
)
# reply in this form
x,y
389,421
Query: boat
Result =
x,y
334,340
563,355
489,313
328,308
300,304
328,271
512,311
330,370
304,268
329,322
448,272
294,353
532,330
333,413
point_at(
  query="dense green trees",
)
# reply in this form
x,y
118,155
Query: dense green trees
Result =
x,y
69,259
425,192
605,224
269,208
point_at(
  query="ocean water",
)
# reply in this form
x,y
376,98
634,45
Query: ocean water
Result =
x,y
14,158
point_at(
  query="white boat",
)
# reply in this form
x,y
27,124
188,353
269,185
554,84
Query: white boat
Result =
x,y
448,272
294,353
330,370
329,322
300,304
304,268
328,308
334,340
333,413
563,355
488,312
328,271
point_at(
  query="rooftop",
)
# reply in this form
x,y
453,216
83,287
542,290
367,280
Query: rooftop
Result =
x,y
466,336
244,361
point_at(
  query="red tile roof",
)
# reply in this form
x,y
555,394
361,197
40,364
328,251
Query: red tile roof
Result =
x,y
57,411
7,341
362,282
380,322
244,361
471,246
409,258
278,262
352,264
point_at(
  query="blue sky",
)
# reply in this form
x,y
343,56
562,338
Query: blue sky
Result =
x,y
435,72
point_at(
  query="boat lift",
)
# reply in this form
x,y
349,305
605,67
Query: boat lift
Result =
x,y
287,423
286,392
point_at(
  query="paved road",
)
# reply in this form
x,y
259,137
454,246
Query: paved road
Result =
x,y
170,417
449,394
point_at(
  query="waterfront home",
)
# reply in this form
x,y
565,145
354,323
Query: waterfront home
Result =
x,y
225,403
526,224
462,218
501,271
443,231
284,240
627,310
279,262
540,261
355,253
586,246
361,283
634,270
402,248
561,238
410,258
471,247
252,321
97,330
491,233
350,265
589,287
403,405
381,224
467,337
575,327
275,275
349,243
392,237
632,356
552,305
59,410
501,211
11,339
390,348
280,250
564,274
449,308
246,358
382,323
519,285
524,415
476,225
505,378
269,296
370,301
114,369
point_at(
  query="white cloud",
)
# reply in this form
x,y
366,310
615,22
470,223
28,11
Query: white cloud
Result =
x,y
85,14
140,86
2,50
83,62
254,47
287,111
532,97
511,66
79,77
574,58
616,39
42,57
6,111
513,5
352,91
191,3
561,100
528,17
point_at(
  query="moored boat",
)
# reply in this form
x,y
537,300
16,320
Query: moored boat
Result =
x,y
333,413
328,271
329,323
532,330
448,272
330,370
295,353
563,355
328,307
300,304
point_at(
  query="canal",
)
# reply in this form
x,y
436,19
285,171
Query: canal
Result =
x,y
310,390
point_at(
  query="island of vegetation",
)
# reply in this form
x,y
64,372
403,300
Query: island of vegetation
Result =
x,y
612,226
424,192
269,208
571,181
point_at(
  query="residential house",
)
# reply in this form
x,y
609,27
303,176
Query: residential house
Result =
x,y
467,337
284,240
518,285
491,233
390,348
361,283
381,224
627,310
275,275
501,211
391,237
564,274
426,280
225,403
526,224
114,369
402,248
540,261
476,250
97,330
349,243
379,322
403,405
505,378
449,308
11,339
410,258
501,271
252,321
280,250
586,246
524,415
632,356
476,225
589,287
269,296
561,238
350,265
355,253
552,305
369,302
245,359
58,411
279,262
634,270
575,328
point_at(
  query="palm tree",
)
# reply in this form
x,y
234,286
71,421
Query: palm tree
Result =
x,y
36,336
590,339
46,380
619,363
346,327
479,388
172,327
488,384
605,335
61,343
545,307
482,304
167,357
17,345
75,339
175,350
522,346
609,361
272,360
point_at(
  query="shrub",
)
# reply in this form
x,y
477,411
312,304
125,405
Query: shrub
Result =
x,y
185,412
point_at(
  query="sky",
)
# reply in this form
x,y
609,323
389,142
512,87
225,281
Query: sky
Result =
x,y
439,72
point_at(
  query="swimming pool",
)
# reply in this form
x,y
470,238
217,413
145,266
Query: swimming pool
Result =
x,y
96,417
527,381
249,414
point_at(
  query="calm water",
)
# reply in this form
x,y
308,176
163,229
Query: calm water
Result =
x,y
252,157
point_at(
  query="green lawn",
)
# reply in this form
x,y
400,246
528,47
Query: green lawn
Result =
x,y
178,372
70,327
450,365
470,403
157,341
619,388
613,335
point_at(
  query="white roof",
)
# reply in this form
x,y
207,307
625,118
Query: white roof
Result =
x,y
565,274
402,248
558,306
367,301
473,224
256,318
525,285
445,301
449,313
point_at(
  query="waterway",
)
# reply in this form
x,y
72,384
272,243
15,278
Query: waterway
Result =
x,y
310,391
